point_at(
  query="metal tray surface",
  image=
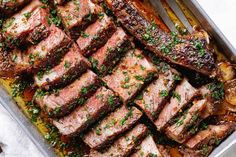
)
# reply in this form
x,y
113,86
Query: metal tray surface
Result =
x,y
226,148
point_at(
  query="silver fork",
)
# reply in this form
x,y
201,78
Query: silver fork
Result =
x,y
159,8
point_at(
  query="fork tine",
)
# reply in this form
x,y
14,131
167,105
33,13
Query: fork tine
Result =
x,y
163,14
178,12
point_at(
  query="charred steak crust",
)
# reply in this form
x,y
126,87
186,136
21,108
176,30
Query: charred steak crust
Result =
x,y
191,53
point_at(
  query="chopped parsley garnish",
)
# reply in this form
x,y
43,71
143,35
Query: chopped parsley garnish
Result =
x,y
176,95
217,90
163,93
139,77
123,120
84,35
177,78
27,15
110,99
67,64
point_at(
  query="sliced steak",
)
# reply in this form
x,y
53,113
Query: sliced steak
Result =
x,y
46,53
116,123
182,95
130,75
8,7
148,148
72,65
211,136
28,26
192,52
78,14
187,124
154,97
124,145
106,57
96,35
64,100
102,102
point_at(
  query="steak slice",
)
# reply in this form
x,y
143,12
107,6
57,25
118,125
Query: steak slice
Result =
x,y
154,97
148,148
96,35
116,123
102,102
9,7
106,57
124,145
43,55
188,123
72,65
130,75
210,136
190,52
77,15
182,95
28,26
64,100
46,53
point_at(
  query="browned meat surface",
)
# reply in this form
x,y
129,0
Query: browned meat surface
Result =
x,y
72,65
211,136
28,26
44,54
148,148
64,100
130,74
116,123
10,6
187,124
96,35
101,103
191,52
196,153
78,14
106,57
154,97
182,95
124,145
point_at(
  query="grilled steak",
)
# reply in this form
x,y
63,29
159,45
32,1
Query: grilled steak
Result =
x,y
191,52
28,26
40,56
188,123
148,148
72,65
180,98
46,53
153,98
124,145
9,6
211,136
130,75
116,123
96,35
102,102
58,2
107,56
78,14
64,100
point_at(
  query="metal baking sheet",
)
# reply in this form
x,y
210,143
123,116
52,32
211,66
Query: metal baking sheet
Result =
x,y
227,147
